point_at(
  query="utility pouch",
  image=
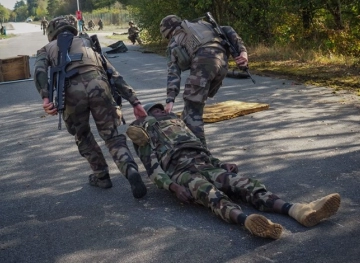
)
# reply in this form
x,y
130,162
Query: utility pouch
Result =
x,y
182,57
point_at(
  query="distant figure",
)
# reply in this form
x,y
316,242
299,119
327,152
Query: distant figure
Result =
x,y
82,25
100,24
73,20
133,32
91,25
44,24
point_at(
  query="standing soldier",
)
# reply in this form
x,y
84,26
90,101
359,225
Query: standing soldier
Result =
x,y
100,24
44,24
91,25
208,63
87,92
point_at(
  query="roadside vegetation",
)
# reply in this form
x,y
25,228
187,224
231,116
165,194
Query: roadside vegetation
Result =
x,y
315,42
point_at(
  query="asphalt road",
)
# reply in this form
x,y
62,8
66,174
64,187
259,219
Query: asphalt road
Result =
x,y
304,147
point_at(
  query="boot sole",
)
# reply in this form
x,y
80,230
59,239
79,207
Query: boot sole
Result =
x,y
138,187
260,226
329,208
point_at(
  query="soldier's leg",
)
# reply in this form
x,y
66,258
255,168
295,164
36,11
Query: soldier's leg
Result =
x,y
192,115
106,118
209,196
204,70
193,177
76,117
252,191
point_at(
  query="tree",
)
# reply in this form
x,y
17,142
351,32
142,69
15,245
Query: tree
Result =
x,y
51,7
4,13
19,4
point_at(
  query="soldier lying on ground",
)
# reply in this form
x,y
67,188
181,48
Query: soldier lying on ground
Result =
x,y
175,159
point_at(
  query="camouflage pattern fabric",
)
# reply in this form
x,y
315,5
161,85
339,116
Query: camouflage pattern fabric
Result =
x,y
175,154
133,29
89,93
208,69
44,24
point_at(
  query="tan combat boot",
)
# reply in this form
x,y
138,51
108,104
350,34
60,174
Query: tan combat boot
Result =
x,y
311,214
259,225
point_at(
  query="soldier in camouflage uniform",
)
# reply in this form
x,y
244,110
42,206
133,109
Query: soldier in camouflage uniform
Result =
x,y
197,47
133,32
73,20
89,92
176,160
44,24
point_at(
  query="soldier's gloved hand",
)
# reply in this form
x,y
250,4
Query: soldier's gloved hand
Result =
x,y
182,193
169,106
230,167
49,107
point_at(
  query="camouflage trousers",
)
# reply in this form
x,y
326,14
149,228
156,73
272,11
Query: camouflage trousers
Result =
x,y
217,189
208,69
90,93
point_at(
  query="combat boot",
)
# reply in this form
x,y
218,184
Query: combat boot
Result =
x,y
259,225
138,187
311,214
103,182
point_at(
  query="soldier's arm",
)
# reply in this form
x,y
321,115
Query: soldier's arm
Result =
x,y
234,38
122,87
215,161
174,72
41,73
152,166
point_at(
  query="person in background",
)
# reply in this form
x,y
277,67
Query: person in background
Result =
x,y
43,25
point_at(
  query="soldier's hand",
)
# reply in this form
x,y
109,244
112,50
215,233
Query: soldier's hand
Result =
x,y
242,59
182,193
49,107
139,111
169,106
230,167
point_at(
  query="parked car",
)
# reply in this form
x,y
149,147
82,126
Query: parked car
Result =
x,y
28,20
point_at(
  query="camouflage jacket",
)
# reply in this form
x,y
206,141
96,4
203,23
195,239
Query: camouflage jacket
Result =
x,y
133,30
47,57
167,137
174,71
44,24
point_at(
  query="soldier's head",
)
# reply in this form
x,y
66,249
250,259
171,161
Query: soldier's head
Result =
x,y
155,109
131,23
168,25
58,25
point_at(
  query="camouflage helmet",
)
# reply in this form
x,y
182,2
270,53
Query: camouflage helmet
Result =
x,y
168,24
131,22
150,106
58,25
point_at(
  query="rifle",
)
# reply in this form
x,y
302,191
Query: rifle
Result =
x,y
58,74
233,51
109,73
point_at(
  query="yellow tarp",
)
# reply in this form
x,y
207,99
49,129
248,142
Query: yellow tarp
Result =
x,y
230,109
